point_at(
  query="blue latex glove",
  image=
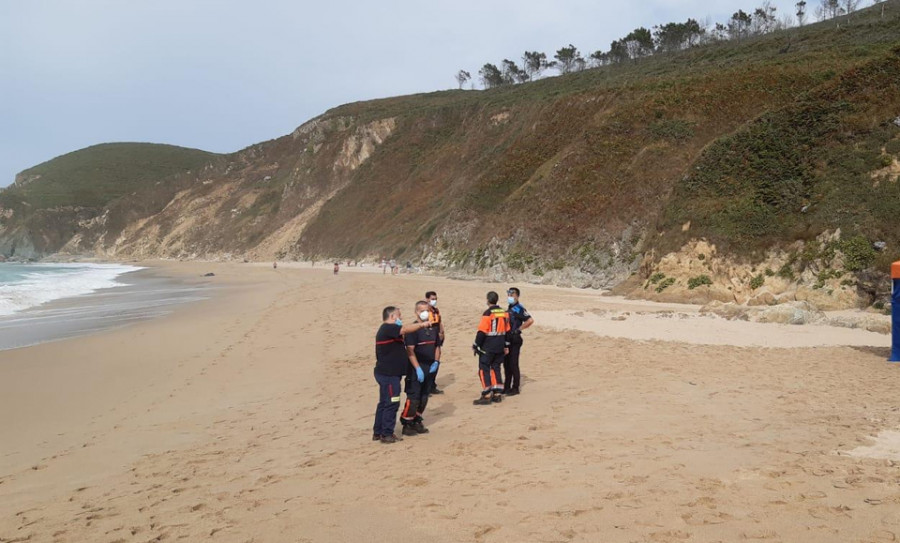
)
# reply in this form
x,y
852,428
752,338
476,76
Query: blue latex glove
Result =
x,y
420,375
434,367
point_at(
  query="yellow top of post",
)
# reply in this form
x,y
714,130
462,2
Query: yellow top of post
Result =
x,y
895,270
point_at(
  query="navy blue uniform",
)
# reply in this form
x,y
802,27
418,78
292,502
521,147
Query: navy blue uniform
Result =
x,y
391,362
424,342
517,316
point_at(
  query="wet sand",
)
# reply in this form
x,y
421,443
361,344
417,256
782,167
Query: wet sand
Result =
x,y
247,417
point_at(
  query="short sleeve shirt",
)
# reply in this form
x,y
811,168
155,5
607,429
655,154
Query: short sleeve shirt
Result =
x,y
424,340
517,315
390,353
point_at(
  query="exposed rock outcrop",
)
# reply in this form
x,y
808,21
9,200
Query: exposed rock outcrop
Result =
x,y
813,272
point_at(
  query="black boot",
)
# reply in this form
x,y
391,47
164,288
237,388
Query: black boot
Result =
x,y
409,430
484,400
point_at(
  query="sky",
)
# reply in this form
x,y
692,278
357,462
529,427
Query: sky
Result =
x,y
221,75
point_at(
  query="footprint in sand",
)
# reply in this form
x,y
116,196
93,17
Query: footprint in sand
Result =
x,y
670,535
759,534
815,495
823,512
705,518
483,531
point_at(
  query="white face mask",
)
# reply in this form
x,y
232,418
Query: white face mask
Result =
x,y
423,316
433,303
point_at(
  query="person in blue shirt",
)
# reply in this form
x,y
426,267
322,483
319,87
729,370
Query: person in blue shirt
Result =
x,y
519,319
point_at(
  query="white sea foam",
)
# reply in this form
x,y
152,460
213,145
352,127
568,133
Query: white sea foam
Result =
x,y
26,286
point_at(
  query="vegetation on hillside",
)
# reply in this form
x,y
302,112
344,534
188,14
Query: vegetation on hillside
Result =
x,y
584,156
97,175
808,167
664,38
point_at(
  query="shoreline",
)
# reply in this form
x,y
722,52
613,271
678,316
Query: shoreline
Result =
x,y
664,320
248,415
605,320
140,294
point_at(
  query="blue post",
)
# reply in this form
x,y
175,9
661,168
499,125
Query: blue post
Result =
x,y
895,312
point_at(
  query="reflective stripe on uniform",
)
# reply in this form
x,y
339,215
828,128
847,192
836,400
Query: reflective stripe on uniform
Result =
x,y
394,399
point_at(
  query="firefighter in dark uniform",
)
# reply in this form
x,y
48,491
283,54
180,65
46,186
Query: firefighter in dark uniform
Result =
x,y
519,319
391,363
420,348
491,345
435,318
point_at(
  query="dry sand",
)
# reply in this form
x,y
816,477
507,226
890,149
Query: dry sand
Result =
x,y
248,417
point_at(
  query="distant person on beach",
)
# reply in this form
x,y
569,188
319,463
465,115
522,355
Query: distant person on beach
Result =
x,y
519,319
420,346
408,267
391,361
436,322
275,265
393,267
491,346
337,268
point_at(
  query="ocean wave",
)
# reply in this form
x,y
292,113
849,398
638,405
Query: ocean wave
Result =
x,y
37,284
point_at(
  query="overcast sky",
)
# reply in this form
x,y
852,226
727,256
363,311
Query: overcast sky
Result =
x,y
221,74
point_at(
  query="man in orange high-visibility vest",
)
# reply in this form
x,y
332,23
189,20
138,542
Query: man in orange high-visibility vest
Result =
x,y
491,346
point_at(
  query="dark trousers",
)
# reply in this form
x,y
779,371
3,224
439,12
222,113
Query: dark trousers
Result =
x,y
388,404
440,343
417,395
511,367
489,372
433,386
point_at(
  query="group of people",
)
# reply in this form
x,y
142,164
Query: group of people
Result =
x,y
411,352
394,267
389,264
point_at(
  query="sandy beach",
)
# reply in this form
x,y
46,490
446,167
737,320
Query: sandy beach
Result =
x,y
248,417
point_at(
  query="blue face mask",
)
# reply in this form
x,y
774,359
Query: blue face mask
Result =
x,y
511,300
398,322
